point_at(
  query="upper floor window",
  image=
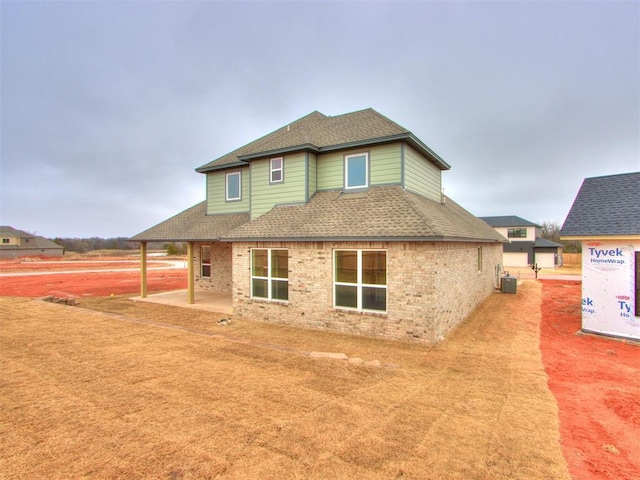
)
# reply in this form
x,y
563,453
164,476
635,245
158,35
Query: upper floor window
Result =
x,y
276,170
5,240
270,273
517,233
233,189
356,171
360,279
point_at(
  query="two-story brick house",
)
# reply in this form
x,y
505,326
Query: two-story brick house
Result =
x,y
337,223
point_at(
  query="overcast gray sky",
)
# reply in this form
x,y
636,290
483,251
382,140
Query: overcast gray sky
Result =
x,y
108,107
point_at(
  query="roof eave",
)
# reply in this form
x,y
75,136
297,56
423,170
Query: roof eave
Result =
x,y
585,237
361,239
224,166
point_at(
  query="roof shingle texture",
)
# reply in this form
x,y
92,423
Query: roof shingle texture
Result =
x,y
605,206
319,131
384,213
191,225
508,221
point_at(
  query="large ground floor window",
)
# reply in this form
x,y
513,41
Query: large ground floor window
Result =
x,y
270,273
360,279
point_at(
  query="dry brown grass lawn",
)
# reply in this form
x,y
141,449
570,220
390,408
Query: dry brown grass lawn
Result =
x,y
139,390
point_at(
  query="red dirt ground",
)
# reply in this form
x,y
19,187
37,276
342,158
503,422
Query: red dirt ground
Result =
x,y
58,263
94,284
596,382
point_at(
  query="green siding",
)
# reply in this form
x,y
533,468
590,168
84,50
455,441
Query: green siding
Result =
x,y
216,202
265,195
422,176
384,166
312,175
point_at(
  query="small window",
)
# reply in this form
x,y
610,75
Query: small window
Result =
x,y
360,280
356,171
270,274
517,233
480,258
276,170
5,240
233,190
205,261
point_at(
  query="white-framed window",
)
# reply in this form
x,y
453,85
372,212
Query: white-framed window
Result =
x,y
517,233
276,170
360,280
233,186
205,261
270,273
356,171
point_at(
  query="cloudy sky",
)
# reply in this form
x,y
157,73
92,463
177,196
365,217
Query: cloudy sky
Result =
x,y
108,107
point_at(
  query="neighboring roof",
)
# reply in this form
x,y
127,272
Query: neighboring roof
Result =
x,y
605,206
319,133
14,232
508,221
386,213
191,225
544,243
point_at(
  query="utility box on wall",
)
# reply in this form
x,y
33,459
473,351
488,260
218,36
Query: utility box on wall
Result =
x,y
509,285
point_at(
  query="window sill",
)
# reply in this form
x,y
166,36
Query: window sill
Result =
x,y
373,313
284,303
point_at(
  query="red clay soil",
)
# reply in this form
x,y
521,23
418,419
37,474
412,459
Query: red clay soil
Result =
x,y
12,266
94,284
596,382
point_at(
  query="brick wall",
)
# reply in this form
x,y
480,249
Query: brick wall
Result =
x,y
431,287
220,279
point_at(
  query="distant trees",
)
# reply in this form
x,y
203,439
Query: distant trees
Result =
x,y
84,245
551,231
174,249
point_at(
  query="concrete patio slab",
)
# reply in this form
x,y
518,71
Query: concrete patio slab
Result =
x,y
208,301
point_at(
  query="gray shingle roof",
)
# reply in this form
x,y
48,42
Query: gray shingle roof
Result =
x,y
191,225
508,221
14,232
382,213
605,206
318,132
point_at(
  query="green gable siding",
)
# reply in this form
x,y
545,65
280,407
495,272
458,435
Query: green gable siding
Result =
x,y
384,166
312,175
265,195
421,176
216,202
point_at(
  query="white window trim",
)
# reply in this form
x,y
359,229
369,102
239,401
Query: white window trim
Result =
x,y
360,285
366,171
268,278
281,170
226,187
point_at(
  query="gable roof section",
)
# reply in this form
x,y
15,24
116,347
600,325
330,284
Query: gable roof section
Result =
x,y
387,213
7,231
193,224
605,206
319,133
508,221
